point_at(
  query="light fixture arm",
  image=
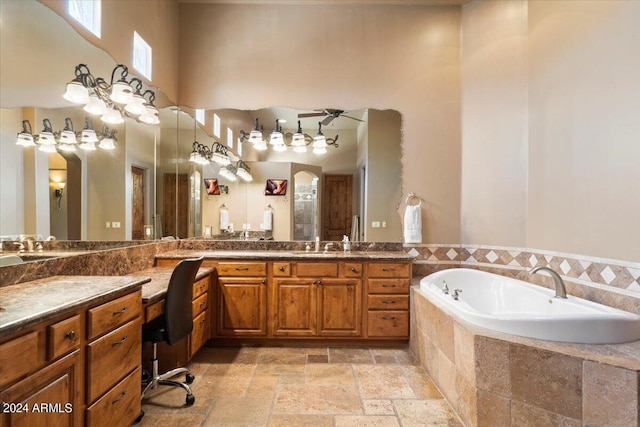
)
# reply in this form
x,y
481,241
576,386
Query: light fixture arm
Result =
x,y
27,124
123,73
47,126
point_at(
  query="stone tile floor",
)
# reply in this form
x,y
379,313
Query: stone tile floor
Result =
x,y
295,387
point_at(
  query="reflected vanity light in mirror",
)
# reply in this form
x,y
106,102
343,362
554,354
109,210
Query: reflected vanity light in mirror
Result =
x,y
280,141
111,99
67,138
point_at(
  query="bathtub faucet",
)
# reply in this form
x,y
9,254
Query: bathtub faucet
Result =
x,y
445,288
456,294
561,291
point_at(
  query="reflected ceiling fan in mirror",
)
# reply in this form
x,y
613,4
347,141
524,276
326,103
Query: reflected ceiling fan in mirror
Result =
x,y
330,114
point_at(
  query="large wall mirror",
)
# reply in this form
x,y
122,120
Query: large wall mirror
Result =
x,y
147,187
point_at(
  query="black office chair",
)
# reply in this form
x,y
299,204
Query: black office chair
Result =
x,y
174,325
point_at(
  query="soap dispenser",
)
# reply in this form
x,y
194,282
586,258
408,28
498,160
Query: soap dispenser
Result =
x,y
346,245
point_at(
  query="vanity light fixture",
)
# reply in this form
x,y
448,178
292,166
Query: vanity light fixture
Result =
x,y
112,99
203,155
58,193
67,138
243,171
280,140
228,172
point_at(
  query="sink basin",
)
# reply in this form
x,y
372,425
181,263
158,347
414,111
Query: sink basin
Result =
x,y
36,256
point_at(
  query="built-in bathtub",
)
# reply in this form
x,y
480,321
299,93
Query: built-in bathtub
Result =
x,y
516,307
492,377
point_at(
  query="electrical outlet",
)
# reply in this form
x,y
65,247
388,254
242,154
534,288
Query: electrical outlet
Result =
x,y
115,224
375,224
384,224
108,224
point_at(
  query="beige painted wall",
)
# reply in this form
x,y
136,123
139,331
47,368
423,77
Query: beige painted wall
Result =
x,y
494,123
12,183
349,56
154,20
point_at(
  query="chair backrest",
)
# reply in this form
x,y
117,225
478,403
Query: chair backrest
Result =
x,y
177,304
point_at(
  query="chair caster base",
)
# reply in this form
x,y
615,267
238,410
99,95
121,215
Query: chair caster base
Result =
x,y
190,399
189,378
137,420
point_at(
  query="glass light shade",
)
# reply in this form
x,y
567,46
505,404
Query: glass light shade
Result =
x,y
320,141
25,140
255,136
276,138
113,117
260,145
244,175
300,149
89,135
107,144
76,93
150,116
67,147
68,137
47,148
88,146
226,173
95,106
46,138
319,150
136,106
280,148
121,93
298,139
194,157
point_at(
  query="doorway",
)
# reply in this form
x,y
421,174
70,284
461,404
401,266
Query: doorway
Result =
x,y
337,194
175,206
137,203
305,206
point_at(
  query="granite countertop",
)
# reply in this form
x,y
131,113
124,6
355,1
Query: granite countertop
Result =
x,y
27,303
156,288
290,255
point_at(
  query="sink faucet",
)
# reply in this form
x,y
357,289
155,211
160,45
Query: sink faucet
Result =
x,y
561,291
327,246
28,241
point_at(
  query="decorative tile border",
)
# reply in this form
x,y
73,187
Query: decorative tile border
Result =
x,y
606,281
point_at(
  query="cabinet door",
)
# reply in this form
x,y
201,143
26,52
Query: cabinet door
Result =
x,y
293,307
340,307
200,333
242,306
52,396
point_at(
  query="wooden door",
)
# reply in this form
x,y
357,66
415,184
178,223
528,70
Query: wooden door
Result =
x,y
336,206
175,206
137,203
294,307
242,306
339,307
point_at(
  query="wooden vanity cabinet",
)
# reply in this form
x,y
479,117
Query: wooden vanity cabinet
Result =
x,y
321,299
201,315
388,300
241,299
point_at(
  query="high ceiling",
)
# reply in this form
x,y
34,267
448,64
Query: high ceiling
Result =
x,y
334,2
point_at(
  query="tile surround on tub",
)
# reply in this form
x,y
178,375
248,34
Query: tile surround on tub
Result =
x,y
605,281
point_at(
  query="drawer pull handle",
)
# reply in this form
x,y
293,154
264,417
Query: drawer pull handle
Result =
x,y
120,341
389,317
71,335
242,268
389,269
116,313
388,286
389,302
281,269
119,398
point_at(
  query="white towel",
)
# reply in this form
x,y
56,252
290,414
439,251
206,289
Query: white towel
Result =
x,y
413,224
224,219
267,220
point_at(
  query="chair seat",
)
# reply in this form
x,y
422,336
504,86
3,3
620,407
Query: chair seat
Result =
x,y
155,331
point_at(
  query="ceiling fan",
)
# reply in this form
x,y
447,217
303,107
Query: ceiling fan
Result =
x,y
330,114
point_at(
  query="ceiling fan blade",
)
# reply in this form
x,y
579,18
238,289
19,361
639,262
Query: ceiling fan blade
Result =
x,y
327,120
303,115
352,118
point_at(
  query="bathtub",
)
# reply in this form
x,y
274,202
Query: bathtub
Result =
x,y
516,307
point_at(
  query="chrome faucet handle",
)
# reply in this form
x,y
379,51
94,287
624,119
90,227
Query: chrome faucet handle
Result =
x,y
327,246
20,248
445,288
456,294
39,247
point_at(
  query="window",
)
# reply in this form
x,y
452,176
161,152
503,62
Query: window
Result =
x,y
229,138
141,55
216,125
200,116
88,13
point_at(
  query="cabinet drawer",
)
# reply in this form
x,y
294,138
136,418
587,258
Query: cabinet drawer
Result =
x,y
200,287
120,406
317,269
111,357
199,304
388,302
154,310
117,312
388,324
200,333
388,286
242,269
18,357
352,269
63,337
282,269
389,270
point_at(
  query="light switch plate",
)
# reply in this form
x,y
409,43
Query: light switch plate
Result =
x,y
375,224
115,224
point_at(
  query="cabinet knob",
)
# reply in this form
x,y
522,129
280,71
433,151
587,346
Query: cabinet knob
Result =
x,y
281,268
354,270
71,335
264,281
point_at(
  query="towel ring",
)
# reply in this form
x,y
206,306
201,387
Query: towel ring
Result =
x,y
412,196
223,206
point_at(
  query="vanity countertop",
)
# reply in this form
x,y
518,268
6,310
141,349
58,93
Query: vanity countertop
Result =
x,y
290,255
156,288
27,303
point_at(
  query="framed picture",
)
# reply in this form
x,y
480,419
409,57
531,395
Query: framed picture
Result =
x,y
211,184
276,187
